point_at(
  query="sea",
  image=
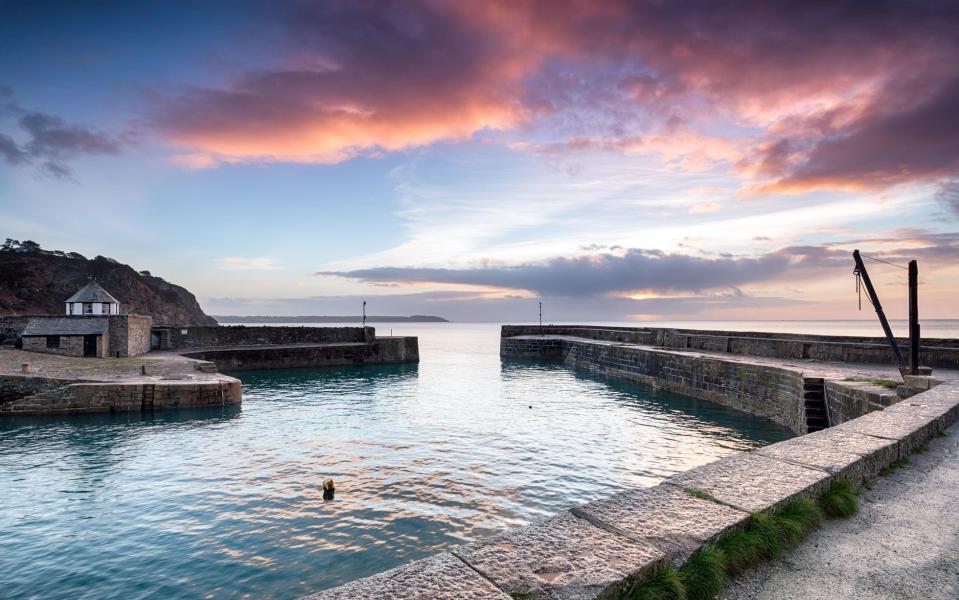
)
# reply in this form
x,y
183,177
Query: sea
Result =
x,y
228,503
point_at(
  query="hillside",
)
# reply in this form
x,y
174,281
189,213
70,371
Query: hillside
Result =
x,y
36,281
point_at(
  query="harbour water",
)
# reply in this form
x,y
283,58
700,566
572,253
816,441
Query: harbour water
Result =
x,y
227,503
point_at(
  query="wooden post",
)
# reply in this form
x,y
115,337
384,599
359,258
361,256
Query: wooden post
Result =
x,y
861,269
913,317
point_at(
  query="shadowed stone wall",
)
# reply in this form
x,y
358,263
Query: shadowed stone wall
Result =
x,y
10,329
14,387
756,389
78,398
847,400
70,345
381,351
934,352
219,336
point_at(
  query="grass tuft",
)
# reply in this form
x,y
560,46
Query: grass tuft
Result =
x,y
771,543
921,449
664,584
840,501
704,574
805,512
522,596
889,384
888,469
742,549
701,494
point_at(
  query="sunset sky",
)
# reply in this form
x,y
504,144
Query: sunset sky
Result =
x,y
616,159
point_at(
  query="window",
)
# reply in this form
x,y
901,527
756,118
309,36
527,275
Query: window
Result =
x,y
106,309
88,308
53,341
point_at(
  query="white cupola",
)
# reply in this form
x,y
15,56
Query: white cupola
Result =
x,y
92,300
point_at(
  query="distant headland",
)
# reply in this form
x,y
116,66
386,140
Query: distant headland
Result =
x,y
332,319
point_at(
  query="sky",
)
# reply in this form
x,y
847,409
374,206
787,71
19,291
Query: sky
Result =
x,y
614,159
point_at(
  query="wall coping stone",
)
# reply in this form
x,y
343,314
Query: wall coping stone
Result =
x,y
560,558
666,516
439,577
752,482
797,451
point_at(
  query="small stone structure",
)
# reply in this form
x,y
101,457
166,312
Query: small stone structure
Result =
x,y
116,336
92,327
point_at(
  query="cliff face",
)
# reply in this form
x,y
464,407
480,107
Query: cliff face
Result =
x,y
35,282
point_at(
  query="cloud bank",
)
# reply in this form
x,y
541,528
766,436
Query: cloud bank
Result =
x,y
798,95
652,271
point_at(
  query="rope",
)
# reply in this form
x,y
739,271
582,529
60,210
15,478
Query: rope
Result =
x,y
859,287
885,262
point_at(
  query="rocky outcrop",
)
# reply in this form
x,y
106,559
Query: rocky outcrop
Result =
x,y
35,281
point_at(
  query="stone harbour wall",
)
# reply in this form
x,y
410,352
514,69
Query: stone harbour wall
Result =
x,y
10,329
609,334
760,390
382,351
848,400
934,352
14,387
185,338
77,398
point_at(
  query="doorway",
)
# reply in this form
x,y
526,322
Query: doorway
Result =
x,y
90,345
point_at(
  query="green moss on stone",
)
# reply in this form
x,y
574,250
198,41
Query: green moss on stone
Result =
x,y
891,467
701,494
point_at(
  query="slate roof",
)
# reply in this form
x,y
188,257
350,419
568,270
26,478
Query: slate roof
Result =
x,y
92,292
66,326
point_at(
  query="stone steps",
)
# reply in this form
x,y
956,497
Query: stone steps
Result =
x,y
814,404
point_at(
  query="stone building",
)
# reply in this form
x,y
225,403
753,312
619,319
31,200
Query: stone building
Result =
x,y
92,327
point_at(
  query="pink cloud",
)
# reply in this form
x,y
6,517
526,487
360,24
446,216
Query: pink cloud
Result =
x,y
797,95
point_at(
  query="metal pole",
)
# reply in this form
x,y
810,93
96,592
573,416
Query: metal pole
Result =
x,y
364,313
540,315
861,269
913,317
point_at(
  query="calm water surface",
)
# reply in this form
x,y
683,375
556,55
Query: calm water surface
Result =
x,y
228,503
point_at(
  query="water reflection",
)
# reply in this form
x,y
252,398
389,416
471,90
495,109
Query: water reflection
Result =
x,y
228,503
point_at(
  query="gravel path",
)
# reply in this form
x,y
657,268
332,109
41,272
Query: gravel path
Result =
x,y
903,544
72,368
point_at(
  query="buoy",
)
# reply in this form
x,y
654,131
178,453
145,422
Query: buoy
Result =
x,y
328,489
